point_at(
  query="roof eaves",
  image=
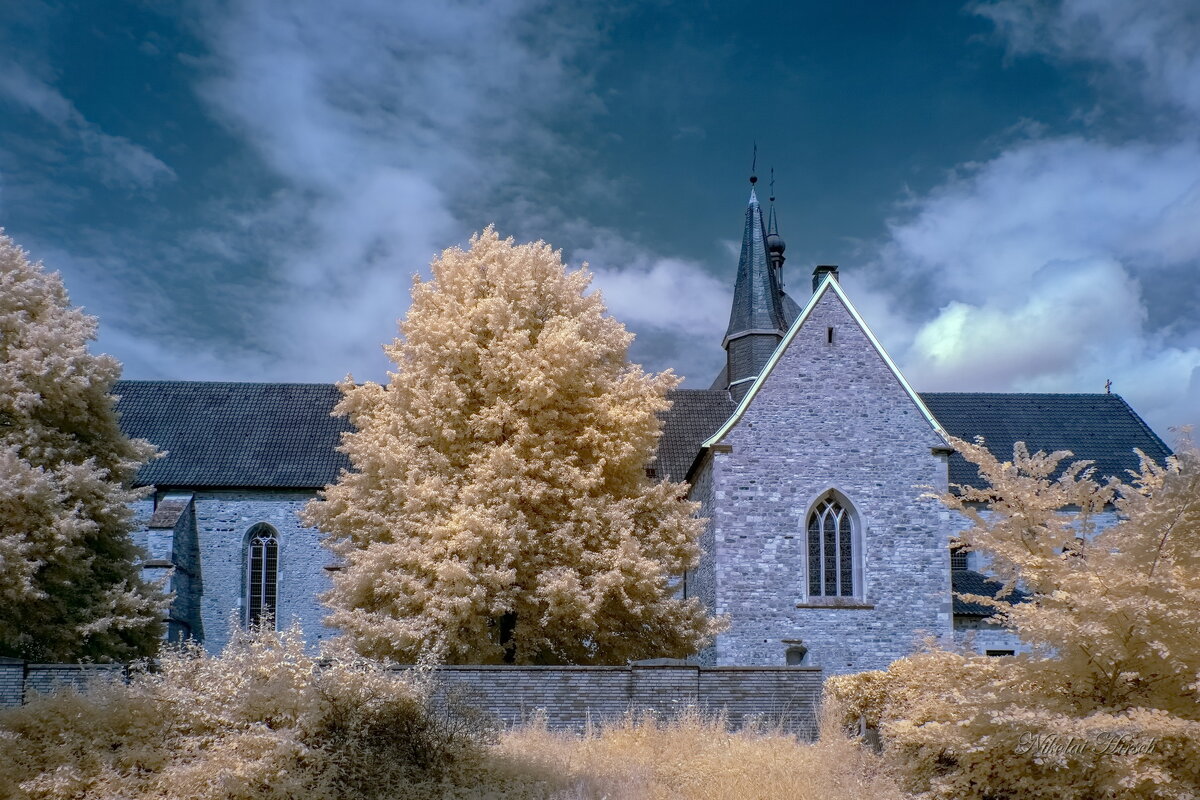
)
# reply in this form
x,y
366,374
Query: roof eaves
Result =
x,y
232,487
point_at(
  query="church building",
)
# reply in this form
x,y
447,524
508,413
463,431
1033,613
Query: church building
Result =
x,y
809,456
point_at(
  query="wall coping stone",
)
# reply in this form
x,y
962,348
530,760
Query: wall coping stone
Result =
x,y
76,667
612,667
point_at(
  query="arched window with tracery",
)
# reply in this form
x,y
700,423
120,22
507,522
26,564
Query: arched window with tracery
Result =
x,y
831,550
262,574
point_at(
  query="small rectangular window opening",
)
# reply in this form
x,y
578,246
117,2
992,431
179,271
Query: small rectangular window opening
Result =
x,y
1000,652
829,335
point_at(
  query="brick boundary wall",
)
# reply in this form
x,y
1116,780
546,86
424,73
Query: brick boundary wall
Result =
x,y
12,682
19,679
570,698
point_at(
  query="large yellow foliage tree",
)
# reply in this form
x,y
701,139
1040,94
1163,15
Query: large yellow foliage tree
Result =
x,y
1106,704
498,509
69,589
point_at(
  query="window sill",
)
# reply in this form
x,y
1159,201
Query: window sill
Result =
x,y
836,602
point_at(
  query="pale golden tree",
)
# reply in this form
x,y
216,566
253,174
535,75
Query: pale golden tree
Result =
x,y
1107,701
498,508
68,585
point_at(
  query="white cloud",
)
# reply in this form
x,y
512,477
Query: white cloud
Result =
x,y
666,294
1067,263
678,309
997,226
655,293
397,129
114,160
1063,261
390,131
1153,44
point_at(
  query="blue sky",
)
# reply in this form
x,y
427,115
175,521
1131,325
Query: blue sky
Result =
x,y
242,191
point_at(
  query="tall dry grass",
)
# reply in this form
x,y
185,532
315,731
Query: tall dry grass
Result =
x,y
264,721
693,756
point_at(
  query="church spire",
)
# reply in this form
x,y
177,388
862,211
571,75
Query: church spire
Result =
x,y
756,305
757,321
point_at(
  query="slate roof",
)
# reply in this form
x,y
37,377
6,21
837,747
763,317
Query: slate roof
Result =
x,y
756,301
968,581
1096,427
235,435
695,415
790,308
281,435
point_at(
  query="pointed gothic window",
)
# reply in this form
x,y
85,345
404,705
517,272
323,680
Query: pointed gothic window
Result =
x,y
831,550
262,574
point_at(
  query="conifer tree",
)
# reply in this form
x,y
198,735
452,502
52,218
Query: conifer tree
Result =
x,y
498,509
69,589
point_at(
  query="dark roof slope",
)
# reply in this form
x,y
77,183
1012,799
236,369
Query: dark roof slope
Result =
x,y
695,415
791,309
276,435
968,581
281,435
756,301
1101,428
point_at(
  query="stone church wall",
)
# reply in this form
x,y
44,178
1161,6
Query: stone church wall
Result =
x,y
981,636
20,680
223,519
702,581
208,546
830,416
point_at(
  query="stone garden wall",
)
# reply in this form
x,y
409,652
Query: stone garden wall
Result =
x,y
568,697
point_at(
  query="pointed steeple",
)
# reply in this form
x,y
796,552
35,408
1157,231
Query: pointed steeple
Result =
x,y
756,304
757,321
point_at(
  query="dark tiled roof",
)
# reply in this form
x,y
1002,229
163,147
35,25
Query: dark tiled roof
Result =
x,y
968,581
280,435
756,302
695,415
790,309
1095,427
276,435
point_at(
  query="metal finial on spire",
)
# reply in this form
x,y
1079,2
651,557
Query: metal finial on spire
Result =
x,y
754,165
1107,386
774,241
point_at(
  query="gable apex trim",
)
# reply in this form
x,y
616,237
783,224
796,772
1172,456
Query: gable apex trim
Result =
x,y
827,284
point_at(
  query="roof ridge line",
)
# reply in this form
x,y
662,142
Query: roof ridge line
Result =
x,y
1029,394
226,383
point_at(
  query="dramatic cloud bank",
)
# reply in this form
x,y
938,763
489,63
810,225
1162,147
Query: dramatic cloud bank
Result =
x,y
352,142
1065,261
378,133
399,129
1151,46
